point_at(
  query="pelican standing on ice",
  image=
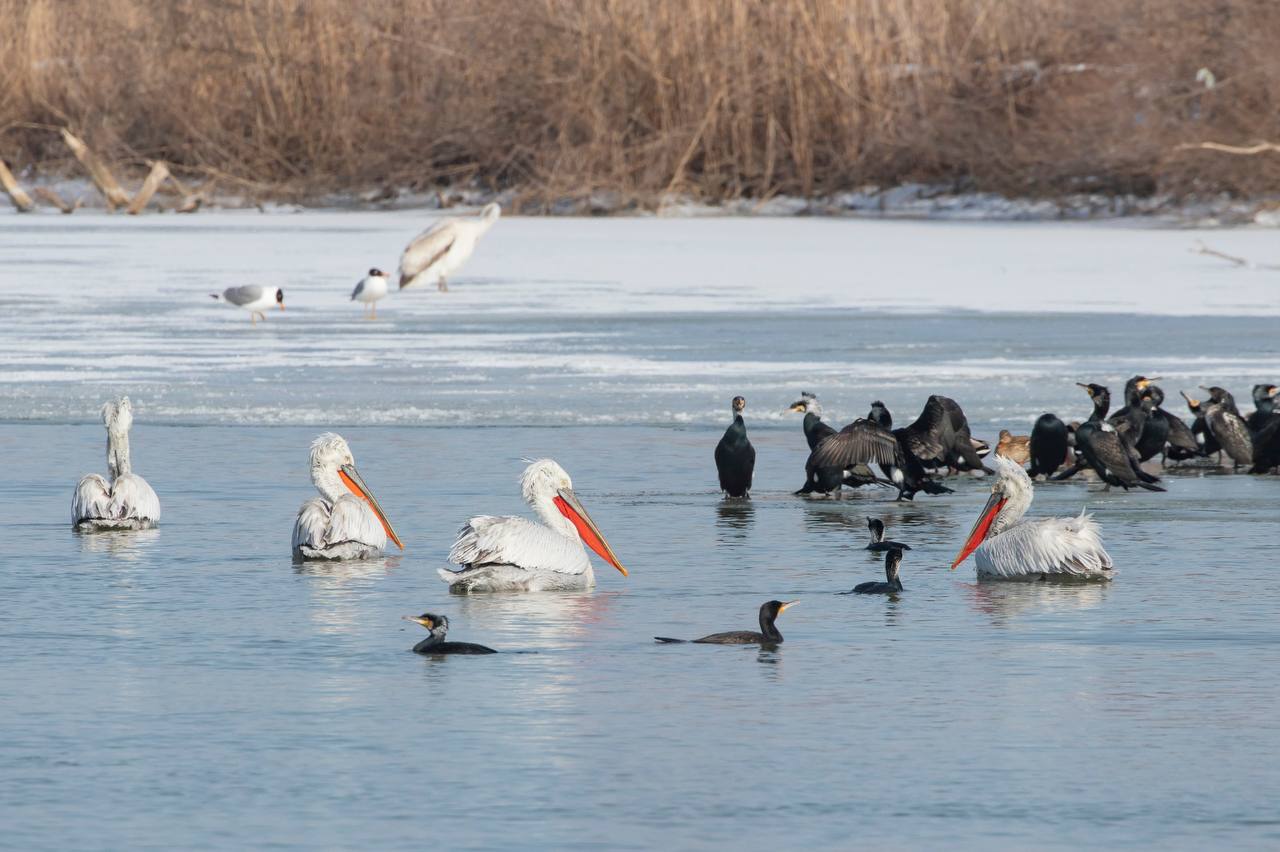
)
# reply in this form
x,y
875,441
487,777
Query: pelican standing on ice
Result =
x,y
126,502
440,250
254,298
370,289
515,554
1006,547
345,521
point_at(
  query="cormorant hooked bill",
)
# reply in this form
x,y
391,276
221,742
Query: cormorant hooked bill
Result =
x,y
1104,449
768,634
735,457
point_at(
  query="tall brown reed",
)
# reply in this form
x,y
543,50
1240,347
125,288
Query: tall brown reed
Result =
x,y
713,98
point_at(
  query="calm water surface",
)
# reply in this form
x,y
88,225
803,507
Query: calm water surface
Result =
x,y
191,686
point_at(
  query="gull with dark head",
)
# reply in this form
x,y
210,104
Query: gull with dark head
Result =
x,y
370,289
515,554
254,298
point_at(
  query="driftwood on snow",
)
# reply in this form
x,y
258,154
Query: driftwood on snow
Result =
x,y
48,196
98,171
16,193
159,171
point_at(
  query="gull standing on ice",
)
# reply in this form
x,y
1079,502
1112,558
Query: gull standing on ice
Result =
x,y
254,298
515,554
440,250
370,289
126,502
345,521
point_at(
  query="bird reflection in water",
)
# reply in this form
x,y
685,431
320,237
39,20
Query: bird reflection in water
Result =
x,y
1003,602
733,519
126,545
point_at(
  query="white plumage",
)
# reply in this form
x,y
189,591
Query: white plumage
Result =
x,y
441,250
516,554
124,501
345,521
370,289
1015,549
254,298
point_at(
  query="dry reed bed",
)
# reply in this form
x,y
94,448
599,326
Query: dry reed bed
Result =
x,y
711,98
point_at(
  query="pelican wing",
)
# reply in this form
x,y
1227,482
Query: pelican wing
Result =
x,y
133,499
91,499
490,540
861,442
1062,546
244,295
321,526
426,250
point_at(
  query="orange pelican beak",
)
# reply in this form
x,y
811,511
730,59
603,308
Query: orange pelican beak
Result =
x,y
980,527
567,502
355,484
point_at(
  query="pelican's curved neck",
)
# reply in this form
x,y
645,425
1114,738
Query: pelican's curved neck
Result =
x,y
328,483
1018,500
117,454
544,506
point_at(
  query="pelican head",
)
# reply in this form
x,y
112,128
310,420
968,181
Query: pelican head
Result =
x,y
1011,495
806,404
333,472
739,404
549,492
490,213
117,415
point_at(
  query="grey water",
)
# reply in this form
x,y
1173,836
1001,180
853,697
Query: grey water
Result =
x,y
192,687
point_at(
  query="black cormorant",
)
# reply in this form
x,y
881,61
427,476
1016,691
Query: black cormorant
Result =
x,y
1264,407
878,542
1104,449
437,628
1050,445
1228,428
892,584
768,634
735,457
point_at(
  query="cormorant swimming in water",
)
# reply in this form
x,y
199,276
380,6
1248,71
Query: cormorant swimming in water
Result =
x,y
437,627
878,542
892,584
1104,449
735,457
1228,427
1049,446
768,634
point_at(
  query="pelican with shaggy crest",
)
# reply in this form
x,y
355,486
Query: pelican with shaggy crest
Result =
x,y
1006,547
515,554
441,250
126,501
345,521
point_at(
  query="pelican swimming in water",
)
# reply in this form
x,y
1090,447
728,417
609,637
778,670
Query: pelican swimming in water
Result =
x,y
125,501
768,635
435,643
254,298
516,554
345,521
370,289
440,250
1006,547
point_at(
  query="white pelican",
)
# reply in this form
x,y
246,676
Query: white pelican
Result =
x,y
440,250
345,521
515,554
127,501
1008,548
370,289
254,298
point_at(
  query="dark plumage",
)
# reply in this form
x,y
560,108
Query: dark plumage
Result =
x,y
1228,427
735,457
1104,449
1050,445
878,541
1199,428
768,634
1264,407
824,478
892,584
438,627
1266,447
940,437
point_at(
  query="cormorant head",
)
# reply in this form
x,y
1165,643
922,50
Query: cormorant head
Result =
x,y
1156,395
1147,401
806,404
1141,382
1093,390
879,414
770,611
1217,394
1261,392
437,625
877,529
739,404
892,559
1193,404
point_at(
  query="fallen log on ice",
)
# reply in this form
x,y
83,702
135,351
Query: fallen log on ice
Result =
x,y
98,171
16,193
159,172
